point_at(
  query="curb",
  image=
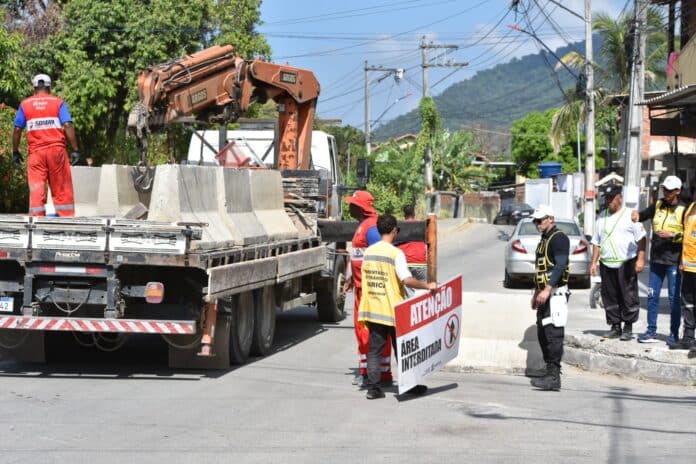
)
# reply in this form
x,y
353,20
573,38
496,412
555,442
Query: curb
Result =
x,y
591,354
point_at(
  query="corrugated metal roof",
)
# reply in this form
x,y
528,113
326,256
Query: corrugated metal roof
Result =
x,y
683,96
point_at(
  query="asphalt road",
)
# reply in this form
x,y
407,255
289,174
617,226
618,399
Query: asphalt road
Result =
x,y
298,405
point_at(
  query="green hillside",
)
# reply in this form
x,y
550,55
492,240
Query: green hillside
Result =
x,y
493,98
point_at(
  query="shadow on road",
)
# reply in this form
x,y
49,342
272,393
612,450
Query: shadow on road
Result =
x,y
146,356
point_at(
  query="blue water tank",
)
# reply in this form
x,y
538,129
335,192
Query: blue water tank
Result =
x,y
549,169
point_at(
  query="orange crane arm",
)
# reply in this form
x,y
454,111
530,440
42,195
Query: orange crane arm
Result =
x,y
218,86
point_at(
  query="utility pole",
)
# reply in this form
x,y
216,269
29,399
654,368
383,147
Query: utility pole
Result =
x,y
589,211
398,74
425,65
635,119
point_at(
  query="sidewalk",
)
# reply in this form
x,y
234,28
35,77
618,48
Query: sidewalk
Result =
x,y
499,335
654,362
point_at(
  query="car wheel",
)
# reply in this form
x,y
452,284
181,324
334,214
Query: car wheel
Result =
x,y
507,281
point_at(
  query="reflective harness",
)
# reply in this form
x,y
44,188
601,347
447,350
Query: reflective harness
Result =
x,y
544,265
669,219
607,244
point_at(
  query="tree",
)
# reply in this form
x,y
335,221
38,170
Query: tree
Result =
x,y
614,75
531,143
14,193
11,76
235,22
94,49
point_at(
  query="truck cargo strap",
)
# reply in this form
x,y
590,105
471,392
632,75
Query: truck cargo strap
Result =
x,y
98,325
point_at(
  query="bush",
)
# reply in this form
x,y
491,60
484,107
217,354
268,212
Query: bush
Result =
x,y
14,193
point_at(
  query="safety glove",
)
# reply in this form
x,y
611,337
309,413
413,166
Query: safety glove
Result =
x,y
17,159
74,157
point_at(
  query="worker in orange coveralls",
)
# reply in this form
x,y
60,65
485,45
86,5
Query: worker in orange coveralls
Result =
x,y
362,209
48,123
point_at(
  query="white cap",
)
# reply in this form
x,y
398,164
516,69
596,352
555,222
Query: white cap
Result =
x,y
41,80
672,183
542,211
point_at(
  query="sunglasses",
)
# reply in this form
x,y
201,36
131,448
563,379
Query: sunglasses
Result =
x,y
539,221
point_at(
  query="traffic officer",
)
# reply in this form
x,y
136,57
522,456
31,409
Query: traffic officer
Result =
x,y
688,281
551,275
384,273
48,123
361,205
667,217
619,256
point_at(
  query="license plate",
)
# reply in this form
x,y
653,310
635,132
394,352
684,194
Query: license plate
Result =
x,y
6,304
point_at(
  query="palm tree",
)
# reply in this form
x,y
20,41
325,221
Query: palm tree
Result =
x,y
614,76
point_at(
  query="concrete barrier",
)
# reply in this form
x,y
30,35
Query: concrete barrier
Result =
x,y
182,193
235,203
85,189
117,194
267,202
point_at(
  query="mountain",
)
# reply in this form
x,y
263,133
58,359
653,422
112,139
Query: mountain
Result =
x,y
491,100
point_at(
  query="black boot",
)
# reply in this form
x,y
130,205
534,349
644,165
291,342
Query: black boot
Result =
x,y
686,343
615,331
627,333
552,379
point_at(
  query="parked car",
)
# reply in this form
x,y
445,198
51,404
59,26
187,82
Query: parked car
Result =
x,y
520,253
512,213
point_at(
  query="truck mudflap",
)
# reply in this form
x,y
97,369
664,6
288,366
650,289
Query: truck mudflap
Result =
x,y
74,324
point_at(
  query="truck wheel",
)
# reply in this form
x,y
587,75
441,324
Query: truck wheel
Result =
x,y
241,327
264,321
331,298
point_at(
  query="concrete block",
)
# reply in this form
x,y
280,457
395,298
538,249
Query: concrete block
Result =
x,y
184,193
85,188
267,203
235,203
117,194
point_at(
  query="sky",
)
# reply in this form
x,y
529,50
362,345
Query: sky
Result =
x,y
334,40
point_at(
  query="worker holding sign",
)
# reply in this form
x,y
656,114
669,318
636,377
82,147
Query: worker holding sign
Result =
x,y
384,275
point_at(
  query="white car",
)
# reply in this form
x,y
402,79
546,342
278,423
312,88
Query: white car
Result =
x,y
521,248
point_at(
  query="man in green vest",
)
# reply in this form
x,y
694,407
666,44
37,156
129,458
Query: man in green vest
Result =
x,y
384,275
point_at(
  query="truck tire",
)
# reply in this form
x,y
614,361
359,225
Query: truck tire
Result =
x,y
264,321
331,298
241,327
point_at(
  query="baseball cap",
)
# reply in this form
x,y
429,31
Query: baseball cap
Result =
x,y
610,191
362,199
41,80
672,183
542,211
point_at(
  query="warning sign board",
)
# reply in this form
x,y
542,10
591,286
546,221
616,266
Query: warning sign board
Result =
x,y
427,332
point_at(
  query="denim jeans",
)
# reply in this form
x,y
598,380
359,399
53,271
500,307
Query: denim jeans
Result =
x,y
658,272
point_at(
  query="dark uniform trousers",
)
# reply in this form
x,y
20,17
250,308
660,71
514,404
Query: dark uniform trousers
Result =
x,y
620,292
379,337
688,299
550,336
